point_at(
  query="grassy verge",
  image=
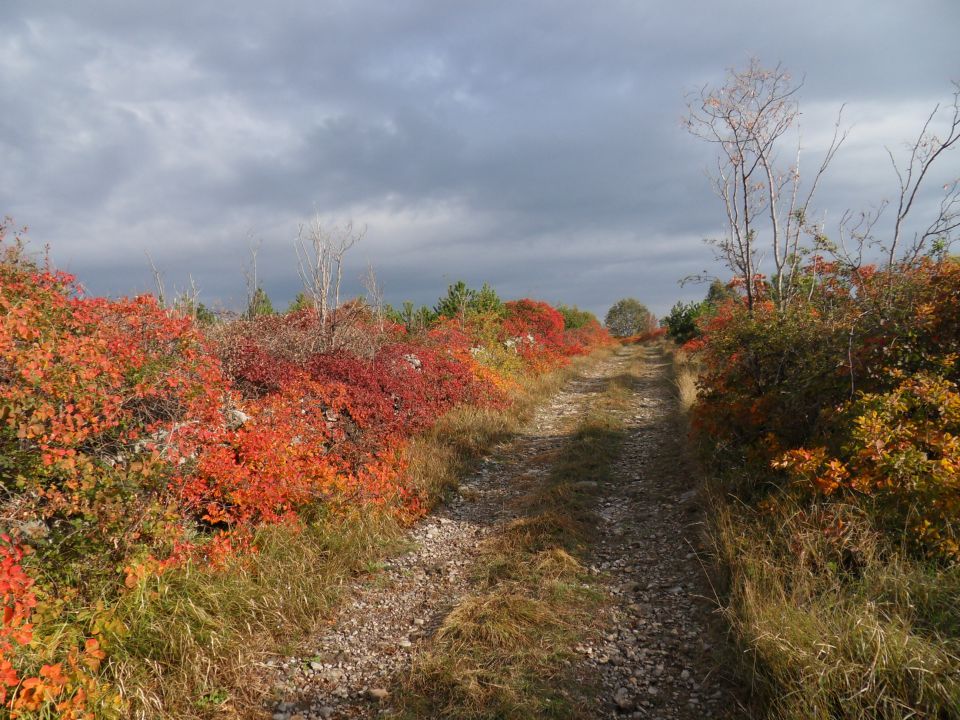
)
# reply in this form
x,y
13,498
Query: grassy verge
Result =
x,y
187,644
505,651
685,372
832,619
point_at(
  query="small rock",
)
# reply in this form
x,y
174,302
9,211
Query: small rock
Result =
x,y
334,675
236,418
623,700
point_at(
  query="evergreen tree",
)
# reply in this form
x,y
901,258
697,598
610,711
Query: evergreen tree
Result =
x,y
301,302
574,317
462,300
259,304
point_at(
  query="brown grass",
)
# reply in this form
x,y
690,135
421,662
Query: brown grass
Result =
x,y
685,371
838,629
193,638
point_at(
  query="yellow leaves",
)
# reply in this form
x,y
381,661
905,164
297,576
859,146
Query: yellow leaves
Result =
x,y
93,655
30,431
904,451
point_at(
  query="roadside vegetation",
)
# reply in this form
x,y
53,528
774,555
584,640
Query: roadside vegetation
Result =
x,y
825,399
167,475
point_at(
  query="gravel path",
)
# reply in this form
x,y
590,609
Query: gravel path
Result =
x,y
654,659
658,658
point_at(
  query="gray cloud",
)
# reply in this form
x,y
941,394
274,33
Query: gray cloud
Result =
x,y
533,145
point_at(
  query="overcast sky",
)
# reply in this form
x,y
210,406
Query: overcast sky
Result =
x,y
534,145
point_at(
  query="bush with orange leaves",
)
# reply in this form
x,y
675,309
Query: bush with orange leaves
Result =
x,y
132,442
852,395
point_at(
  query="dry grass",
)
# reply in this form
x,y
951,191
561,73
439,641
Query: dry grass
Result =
x,y
844,630
504,652
685,372
830,626
194,638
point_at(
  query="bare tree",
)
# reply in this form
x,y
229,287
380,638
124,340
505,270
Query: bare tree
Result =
x,y
187,301
320,252
747,118
924,151
250,271
157,280
374,295
856,231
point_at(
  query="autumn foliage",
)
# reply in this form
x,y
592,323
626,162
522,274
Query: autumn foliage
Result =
x,y
849,397
131,441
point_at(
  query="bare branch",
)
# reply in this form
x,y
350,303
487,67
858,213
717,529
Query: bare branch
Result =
x,y
320,252
157,280
748,118
924,152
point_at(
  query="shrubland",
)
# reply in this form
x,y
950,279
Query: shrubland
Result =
x,y
831,429
826,407
176,496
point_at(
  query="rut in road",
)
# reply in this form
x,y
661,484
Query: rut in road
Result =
x,y
650,652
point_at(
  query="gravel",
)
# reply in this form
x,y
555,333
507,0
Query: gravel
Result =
x,y
661,635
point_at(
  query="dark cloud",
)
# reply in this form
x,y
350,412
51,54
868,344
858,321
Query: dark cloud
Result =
x,y
534,145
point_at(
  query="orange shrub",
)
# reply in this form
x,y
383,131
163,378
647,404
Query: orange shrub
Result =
x,y
851,395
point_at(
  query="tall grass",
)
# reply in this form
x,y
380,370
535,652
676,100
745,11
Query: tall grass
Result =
x,y
192,637
684,372
832,620
853,632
